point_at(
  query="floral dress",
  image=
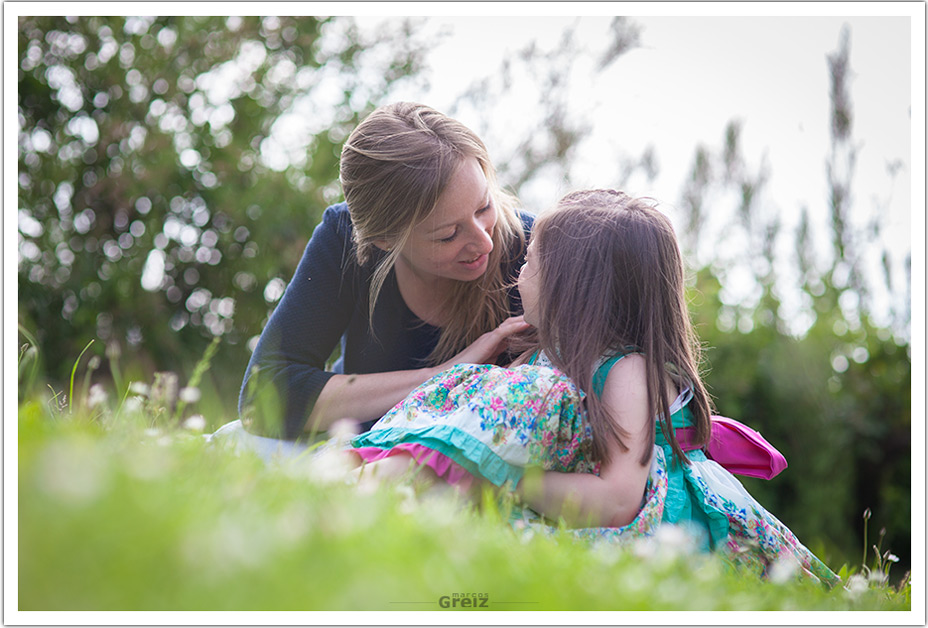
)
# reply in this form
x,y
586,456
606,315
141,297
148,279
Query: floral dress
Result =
x,y
493,423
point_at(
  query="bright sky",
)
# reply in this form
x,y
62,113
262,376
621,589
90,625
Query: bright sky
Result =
x,y
691,76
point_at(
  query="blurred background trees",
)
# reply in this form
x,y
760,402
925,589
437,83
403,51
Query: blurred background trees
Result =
x,y
836,399
171,170
159,202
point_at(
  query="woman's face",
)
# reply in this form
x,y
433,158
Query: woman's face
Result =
x,y
528,285
455,241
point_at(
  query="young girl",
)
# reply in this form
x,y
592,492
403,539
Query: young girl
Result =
x,y
597,399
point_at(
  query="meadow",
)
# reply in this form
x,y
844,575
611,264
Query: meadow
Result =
x,y
158,217
124,504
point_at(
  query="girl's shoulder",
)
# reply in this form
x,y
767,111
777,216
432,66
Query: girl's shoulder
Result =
x,y
605,364
624,395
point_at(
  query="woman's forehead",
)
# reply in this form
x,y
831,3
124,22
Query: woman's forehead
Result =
x,y
467,191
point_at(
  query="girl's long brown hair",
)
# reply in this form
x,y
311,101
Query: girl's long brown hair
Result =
x,y
611,277
394,167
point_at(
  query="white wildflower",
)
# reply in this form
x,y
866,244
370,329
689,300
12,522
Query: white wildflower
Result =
x,y
607,553
877,577
293,523
644,548
343,430
408,502
364,481
189,394
856,586
148,463
133,405
96,396
668,543
329,467
139,388
73,472
232,542
784,569
673,536
527,535
195,423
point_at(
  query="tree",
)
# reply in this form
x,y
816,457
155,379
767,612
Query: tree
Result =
x,y
171,170
836,396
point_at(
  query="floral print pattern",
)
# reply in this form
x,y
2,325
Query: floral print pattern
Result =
x,y
495,422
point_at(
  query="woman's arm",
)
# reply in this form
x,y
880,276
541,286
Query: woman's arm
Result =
x,y
614,497
286,389
370,396
286,371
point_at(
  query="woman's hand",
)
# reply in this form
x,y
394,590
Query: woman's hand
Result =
x,y
367,397
490,345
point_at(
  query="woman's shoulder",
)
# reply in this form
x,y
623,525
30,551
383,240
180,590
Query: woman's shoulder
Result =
x,y
528,221
330,249
337,218
512,261
333,236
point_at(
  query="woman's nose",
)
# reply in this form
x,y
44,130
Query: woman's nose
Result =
x,y
482,240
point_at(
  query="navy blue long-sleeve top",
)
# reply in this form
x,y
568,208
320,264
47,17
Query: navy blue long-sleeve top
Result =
x,y
326,303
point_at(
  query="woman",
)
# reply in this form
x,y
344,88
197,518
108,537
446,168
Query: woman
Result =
x,y
413,274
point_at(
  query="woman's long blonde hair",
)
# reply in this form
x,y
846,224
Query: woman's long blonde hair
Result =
x,y
394,167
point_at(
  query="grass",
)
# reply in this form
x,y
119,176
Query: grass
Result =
x,y
128,510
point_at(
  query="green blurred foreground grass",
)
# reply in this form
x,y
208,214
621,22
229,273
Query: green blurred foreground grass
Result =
x,y
125,517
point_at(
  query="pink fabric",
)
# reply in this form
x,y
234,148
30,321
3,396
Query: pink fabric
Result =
x,y
446,468
732,444
738,448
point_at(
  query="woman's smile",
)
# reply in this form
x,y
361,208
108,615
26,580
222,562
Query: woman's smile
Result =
x,y
476,263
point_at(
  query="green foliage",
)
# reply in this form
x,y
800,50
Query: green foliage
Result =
x,y
839,408
171,170
198,371
124,517
834,396
163,203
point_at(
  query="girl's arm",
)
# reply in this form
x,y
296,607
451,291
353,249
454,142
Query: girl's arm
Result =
x,y
614,497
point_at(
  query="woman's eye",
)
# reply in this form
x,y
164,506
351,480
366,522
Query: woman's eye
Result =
x,y
449,238
484,209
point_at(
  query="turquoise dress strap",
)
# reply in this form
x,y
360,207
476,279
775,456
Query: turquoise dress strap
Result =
x,y
604,366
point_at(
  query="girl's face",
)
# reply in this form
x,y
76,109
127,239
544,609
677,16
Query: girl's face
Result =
x,y
528,285
455,241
